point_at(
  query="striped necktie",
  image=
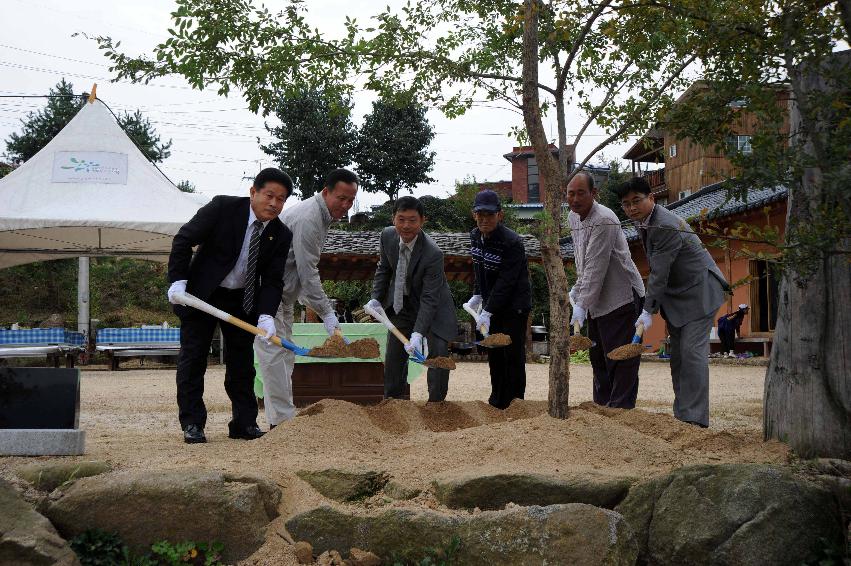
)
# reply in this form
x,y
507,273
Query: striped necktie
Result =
x,y
251,270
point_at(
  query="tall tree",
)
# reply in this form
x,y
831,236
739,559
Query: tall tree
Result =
x,y
392,151
791,63
316,136
62,105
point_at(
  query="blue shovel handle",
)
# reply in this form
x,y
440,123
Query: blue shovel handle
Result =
x,y
299,351
636,339
418,357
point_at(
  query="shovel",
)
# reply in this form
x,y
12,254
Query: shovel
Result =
x,y
481,329
382,318
195,302
631,350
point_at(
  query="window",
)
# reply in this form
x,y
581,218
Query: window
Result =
x,y
683,194
672,151
532,181
739,103
764,290
739,144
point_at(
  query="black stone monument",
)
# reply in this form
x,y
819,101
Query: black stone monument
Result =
x,y
39,398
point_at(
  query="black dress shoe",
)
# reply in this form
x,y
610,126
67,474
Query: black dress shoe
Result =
x,y
194,434
249,432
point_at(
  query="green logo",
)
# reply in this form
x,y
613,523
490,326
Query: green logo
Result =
x,y
81,165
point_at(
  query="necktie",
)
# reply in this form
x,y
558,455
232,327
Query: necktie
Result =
x,y
401,275
251,270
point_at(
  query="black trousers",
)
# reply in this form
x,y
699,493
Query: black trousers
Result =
x,y
396,360
728,340
508,365
615,383
196,335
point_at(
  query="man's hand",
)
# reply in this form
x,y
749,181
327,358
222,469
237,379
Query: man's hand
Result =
x,y
374,305
474,302
177,288
485,322
646,319
415,344
572,295
331,323
579,315
267,324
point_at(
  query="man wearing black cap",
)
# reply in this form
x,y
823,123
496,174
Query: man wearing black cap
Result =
x,y
503,291
239,268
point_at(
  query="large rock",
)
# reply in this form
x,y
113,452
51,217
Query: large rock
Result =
x,y
27,538
575,534
496,491
736,514
145,507
342,485
48,475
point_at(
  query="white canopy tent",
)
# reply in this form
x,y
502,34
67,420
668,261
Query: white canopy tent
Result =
x,y
89,192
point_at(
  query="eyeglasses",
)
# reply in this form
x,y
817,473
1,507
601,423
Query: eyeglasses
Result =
x,y
633,203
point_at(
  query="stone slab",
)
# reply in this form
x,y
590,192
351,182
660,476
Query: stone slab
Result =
x,y
42,442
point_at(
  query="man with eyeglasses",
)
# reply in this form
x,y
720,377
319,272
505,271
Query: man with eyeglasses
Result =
x,y
686,287
608,291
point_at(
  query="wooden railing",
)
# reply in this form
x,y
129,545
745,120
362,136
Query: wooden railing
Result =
x,y
656,179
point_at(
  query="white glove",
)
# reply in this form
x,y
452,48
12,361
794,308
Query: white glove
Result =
x,y
572,295
374,305
267,324
485,322
646,319
579,315
177,288
331,323
416,343
474,302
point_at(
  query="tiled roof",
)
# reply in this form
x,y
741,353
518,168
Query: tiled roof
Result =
x,y
712,198
450,243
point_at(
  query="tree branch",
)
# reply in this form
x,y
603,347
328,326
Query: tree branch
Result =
x,y
578,42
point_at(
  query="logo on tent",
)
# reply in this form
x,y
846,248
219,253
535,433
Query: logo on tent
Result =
x,y
104,167
81,165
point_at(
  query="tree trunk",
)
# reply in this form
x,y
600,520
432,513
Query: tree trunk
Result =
x,y
808,382
550,229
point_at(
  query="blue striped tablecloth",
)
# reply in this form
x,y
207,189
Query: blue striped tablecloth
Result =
x,y
137,335
40,336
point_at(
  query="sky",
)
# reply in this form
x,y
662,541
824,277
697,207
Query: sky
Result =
x,y
215,138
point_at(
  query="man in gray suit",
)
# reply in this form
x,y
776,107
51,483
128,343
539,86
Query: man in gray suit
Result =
x,y
410,285
687,288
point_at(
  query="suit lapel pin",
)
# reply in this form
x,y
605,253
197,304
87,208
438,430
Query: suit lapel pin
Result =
x,y
271,237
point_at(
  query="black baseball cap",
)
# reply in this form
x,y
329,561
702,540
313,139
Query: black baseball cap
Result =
x,y
487,201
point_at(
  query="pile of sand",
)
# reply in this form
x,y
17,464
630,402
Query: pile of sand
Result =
x,y
335,347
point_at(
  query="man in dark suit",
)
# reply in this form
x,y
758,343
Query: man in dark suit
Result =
x,y
411,286
238,268
686,286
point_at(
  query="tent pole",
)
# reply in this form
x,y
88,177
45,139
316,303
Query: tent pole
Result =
x,y
83,296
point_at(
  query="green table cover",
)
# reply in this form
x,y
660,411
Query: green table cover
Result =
x,y
308,335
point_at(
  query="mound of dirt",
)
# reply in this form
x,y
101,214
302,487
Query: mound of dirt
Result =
x,y
496,340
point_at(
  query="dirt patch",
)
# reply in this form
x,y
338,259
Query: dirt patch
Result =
x,y
496,340
578,342
365,348
445,416
440,362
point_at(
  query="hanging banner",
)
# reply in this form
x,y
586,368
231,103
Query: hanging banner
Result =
x,y
90,167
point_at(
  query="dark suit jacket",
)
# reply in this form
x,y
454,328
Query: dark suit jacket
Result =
x,y
218,229
684,280
428,290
